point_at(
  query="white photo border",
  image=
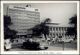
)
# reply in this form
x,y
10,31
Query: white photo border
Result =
x,y
38,52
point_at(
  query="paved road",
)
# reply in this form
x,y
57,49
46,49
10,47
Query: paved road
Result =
x,y
54,47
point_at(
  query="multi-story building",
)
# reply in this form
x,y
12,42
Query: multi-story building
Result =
x,y
23,18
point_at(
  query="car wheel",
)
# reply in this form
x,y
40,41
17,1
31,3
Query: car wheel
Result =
x,y
6,49
70,42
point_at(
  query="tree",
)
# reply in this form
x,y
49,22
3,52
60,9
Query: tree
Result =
x,y
40,29
8,33
73,30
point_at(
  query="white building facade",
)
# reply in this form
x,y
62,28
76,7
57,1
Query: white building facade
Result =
x,y
57,31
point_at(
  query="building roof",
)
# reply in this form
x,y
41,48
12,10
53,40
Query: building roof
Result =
x,y
58,25
23,8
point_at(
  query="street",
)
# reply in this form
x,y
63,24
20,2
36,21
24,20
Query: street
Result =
x,y
54,47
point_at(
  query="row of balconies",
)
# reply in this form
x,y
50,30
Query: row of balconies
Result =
x,y
22,11
16,15
57,34
24,22
58,31
57,28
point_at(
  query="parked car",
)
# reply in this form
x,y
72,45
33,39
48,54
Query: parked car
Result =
x,y
7,44
65,40
31,45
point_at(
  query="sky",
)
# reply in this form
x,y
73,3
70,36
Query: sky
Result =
x,y
57,12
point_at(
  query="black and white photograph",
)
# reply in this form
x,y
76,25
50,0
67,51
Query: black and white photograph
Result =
x,y
40,26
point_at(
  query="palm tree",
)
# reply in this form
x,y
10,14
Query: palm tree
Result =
x,y
73,30
40,29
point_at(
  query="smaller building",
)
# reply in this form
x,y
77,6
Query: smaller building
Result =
x,y
58,31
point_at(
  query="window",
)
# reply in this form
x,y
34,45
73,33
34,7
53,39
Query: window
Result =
x,y
53,28
59,28
36,9
56,28
50,28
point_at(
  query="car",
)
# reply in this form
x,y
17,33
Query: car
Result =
x,y
68,40
43,45
7,44
32,45
65,40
